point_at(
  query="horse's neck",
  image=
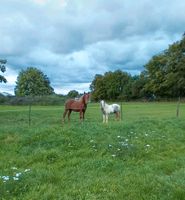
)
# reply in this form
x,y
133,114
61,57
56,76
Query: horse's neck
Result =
x,y
106,105
82,100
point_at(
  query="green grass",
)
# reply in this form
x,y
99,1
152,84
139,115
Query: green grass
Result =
x,y
141,157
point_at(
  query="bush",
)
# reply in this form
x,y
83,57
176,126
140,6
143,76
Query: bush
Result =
x,y
37,100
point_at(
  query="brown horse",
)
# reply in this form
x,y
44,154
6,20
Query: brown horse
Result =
x,y
76,106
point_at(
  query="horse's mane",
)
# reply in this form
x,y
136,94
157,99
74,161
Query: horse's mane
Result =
x,y
81,99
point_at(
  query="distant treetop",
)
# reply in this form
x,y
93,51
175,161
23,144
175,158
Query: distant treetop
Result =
x,y
32,82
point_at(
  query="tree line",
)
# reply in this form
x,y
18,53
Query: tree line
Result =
x,y
163,77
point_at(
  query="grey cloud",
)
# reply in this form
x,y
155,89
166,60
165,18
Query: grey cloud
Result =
x,y
73,40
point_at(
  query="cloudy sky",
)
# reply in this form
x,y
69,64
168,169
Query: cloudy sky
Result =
x,y
72,40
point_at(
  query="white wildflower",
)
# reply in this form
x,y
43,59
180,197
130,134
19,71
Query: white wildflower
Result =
x,y
14,168
124,144
18,174
15,178
5,178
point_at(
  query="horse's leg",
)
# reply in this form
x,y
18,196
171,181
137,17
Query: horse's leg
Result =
x,y
106,118
69,113
103,118
81,115
117,115
64,115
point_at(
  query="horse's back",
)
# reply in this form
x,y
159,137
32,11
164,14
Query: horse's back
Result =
x,y
68,103
74,105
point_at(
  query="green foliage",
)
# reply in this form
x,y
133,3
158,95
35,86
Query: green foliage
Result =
x,y
165,72
163,77
32,82
73,94
119,85
137,87
2,69
98,88
141,157
111,85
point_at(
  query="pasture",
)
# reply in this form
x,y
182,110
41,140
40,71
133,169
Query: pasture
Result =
x,y
141,157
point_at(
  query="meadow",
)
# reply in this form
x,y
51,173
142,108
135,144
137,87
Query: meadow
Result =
x,y
141,157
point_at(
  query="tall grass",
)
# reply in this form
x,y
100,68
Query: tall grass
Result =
x,y
141,157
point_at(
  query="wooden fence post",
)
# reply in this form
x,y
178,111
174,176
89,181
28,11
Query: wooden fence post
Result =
x,y
178,105
29,115
121,111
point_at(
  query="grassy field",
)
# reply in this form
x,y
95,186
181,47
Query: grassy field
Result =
x,y
141,157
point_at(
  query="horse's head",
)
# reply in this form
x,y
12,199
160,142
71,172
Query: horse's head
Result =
x,y
86,97
102,103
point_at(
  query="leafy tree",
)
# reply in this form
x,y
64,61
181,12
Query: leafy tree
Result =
x,y
165,72
156,74
32,82
136,86
175,77
111,85
164,76
98,88
2,69
73,94
124,81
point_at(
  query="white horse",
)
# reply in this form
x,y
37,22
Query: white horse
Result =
x,y
108,109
